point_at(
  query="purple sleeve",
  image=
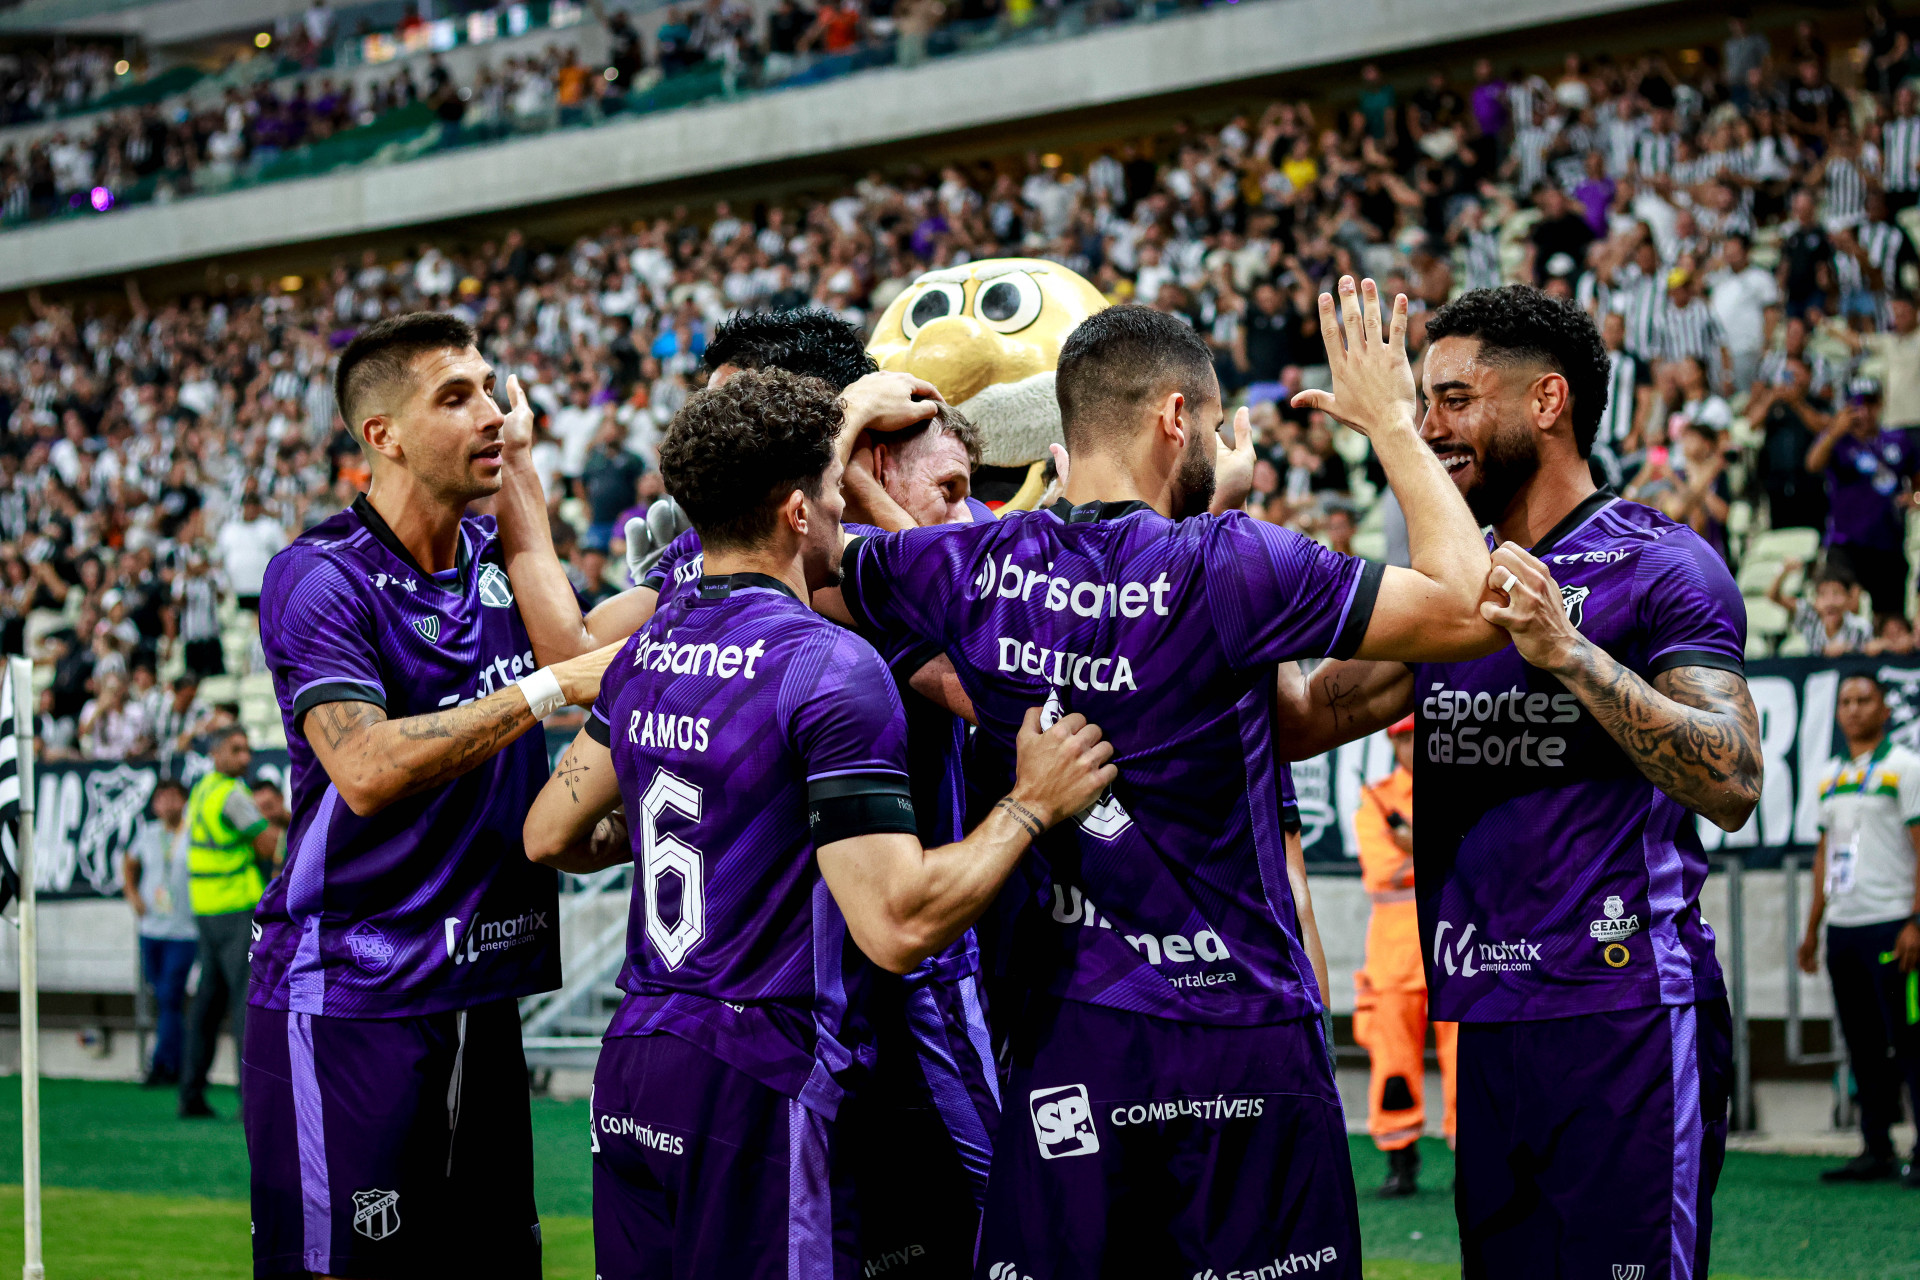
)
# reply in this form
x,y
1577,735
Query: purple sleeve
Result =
x,y
1276,596
319,634
599,725
678,552
844,713
1689,607
897,585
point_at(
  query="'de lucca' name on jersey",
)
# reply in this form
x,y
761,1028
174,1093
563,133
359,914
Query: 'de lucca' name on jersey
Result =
x,y
1553,878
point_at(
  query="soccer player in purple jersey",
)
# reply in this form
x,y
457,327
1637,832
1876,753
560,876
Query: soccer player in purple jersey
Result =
x,y
1172,1106
1558,865
758,753
919,1135
384,1089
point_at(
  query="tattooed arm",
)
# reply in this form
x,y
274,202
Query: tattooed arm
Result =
x,y
1693,732
574,824
1338,702
373,761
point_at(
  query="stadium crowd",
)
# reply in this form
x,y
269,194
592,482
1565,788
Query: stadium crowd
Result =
x,y
1728,212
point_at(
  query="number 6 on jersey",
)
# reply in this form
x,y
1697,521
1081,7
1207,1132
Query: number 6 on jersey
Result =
x,y
669,854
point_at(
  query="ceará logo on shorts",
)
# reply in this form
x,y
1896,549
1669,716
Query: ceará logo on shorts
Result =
x,y
1063,1122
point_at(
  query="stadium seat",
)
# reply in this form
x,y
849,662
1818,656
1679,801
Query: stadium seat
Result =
x,y
1766,618
1370,544
1785,544
1794,645
1739,517
1758,647
1758,572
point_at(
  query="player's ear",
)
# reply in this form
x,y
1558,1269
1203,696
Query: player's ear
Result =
x,y
1171,421
380,436
793,512
1551,398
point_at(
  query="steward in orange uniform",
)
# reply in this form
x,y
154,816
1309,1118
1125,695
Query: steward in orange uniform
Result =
x,y
1390,1009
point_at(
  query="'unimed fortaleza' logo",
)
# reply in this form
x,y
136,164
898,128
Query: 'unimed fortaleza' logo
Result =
x,y
1063,1122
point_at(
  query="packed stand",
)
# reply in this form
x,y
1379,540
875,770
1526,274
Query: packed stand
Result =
x,y
39,85
321,115
158,456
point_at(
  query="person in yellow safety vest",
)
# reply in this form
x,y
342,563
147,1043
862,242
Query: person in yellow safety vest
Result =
x,y
226,839
1390,1009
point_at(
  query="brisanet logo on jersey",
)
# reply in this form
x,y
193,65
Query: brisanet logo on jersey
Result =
x,y
1063,1122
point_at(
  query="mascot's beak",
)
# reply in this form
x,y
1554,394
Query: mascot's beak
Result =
x,y
962,357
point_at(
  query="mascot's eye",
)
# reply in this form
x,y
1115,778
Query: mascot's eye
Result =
x,y
938,300
1008,303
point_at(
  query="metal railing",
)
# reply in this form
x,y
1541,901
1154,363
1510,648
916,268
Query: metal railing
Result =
x,y
1796,1054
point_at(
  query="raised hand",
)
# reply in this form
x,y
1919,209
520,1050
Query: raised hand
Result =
x,y
516,433
1233,467
885,402
1372,381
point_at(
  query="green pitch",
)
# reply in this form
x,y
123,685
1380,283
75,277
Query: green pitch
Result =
x,y
134,1194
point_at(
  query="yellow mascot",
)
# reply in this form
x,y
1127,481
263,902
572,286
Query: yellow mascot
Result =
x,y
988,335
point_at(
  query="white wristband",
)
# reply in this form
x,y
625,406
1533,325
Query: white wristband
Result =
x,y
542,689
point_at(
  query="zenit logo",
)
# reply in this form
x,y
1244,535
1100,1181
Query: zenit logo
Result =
x,y
1063,1122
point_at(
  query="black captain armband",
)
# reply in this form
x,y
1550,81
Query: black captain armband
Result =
x,y
858,804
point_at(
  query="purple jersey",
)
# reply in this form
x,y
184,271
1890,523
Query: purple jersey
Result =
x,y
743,727
1553,878
429,904
1169,896
1863,486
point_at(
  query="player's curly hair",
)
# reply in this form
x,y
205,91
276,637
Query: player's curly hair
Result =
x,y
734,452
810,342
1519,323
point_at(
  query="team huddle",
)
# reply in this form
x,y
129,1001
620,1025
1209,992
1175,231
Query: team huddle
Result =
x,y
969,932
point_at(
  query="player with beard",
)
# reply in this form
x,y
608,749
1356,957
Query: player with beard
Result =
x,y
384,1088
760,754
1172,1104
918,1135
1557,867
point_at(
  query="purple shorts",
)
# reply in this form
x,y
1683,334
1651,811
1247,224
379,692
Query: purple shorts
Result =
x,y
394,1147
918,1134
1138,1146
700,1170
1589,1146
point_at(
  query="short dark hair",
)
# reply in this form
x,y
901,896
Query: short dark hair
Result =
x,y
169,784
1838,575
379,355
734,452
1867,674
223,736
1518,323
1118,360
811,342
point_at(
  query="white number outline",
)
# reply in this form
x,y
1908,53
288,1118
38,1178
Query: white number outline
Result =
x,y
664,853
